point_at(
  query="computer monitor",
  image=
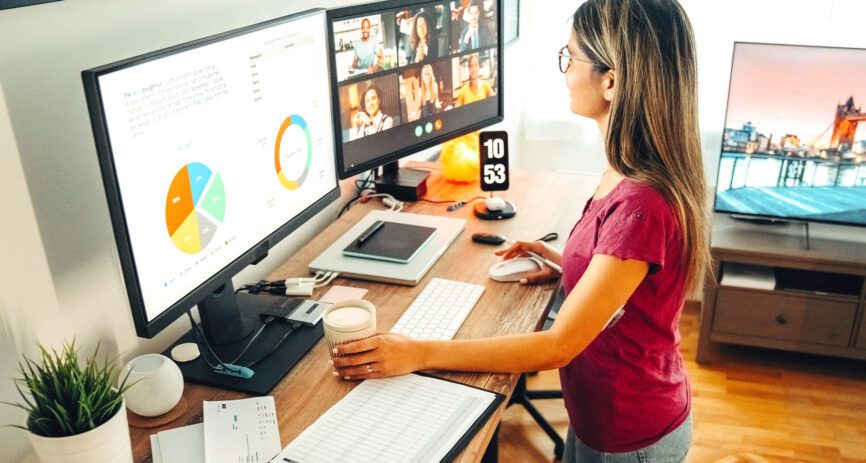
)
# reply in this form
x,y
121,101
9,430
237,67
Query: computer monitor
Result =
x,y
212,152
408,75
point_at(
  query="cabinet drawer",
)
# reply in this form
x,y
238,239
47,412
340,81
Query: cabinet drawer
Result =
x,y
788,318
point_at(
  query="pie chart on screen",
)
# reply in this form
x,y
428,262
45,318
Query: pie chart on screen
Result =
x,y
293,152
194,207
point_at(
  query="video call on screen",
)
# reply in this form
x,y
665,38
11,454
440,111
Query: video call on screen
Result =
x,y
409,74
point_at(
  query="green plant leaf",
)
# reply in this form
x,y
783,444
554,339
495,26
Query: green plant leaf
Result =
x,y
65,394
15,426
22,407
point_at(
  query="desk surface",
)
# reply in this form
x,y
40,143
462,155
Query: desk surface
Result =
x,y
546,202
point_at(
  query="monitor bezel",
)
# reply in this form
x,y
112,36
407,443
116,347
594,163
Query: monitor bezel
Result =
x,y
149,328
372,8
748,215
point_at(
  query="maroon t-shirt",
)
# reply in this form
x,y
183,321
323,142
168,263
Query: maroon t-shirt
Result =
x,y
628,388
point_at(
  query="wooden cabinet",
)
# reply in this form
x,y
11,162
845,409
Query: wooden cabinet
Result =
x,y
815,300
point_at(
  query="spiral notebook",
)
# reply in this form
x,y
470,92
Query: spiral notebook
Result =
x,y
390,241
407,418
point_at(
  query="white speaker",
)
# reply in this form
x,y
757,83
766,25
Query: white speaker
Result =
x,y
157,384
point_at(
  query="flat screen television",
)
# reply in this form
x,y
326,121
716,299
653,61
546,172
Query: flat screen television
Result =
x,y
791,148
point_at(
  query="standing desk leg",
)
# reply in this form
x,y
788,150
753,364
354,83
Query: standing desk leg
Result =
x,y
491,455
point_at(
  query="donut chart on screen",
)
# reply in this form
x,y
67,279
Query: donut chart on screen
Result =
x,y
194,207
293,122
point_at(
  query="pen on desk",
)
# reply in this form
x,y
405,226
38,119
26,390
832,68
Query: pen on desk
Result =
x,y
369,233
539,257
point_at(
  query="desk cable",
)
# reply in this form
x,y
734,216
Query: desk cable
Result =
x,y
286,287
454,203
365,195
221,366
361,186
232,367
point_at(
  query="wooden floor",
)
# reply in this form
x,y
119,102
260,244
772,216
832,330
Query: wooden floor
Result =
x,y
749,405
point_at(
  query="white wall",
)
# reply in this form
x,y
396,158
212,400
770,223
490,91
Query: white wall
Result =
x,y
59,270
557,140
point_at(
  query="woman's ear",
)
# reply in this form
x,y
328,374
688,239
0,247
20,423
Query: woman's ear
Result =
x,y
610,85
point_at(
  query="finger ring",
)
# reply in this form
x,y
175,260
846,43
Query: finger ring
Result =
x,y
369,368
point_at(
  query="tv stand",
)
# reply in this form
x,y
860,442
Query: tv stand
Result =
x,y
811,300
772,221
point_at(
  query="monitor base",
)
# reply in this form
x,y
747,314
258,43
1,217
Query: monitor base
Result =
x,y
268,372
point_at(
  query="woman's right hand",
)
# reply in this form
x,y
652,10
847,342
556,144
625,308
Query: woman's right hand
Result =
x,y
520,248
361,119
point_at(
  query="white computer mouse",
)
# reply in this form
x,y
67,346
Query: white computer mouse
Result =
x,y
494,203
514,269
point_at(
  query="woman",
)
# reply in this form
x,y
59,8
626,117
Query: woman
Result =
x,y
425,45
641,245
475,88
371,119
429,91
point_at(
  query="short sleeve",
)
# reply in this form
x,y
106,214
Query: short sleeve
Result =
x,y
638,227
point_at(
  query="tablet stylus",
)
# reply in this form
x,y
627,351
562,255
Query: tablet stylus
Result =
x,y
369,234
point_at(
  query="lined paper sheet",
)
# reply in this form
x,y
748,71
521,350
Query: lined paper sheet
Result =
x,y
409,418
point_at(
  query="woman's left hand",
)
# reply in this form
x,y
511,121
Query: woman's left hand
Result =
x,y
380,356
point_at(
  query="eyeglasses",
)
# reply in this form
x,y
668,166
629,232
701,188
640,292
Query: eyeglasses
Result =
x,y
565,59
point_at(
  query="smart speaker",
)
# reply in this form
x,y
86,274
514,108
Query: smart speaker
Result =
x,y
157,384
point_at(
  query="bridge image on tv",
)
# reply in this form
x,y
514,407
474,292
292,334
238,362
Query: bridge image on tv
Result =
x,y
778,186
791,146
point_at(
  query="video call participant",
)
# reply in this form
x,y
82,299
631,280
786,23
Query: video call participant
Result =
x,y
475,88
370,119
642,244
425,45
429,90
368,53
474,34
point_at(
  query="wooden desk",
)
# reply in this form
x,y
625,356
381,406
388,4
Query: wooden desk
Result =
x,y
546,202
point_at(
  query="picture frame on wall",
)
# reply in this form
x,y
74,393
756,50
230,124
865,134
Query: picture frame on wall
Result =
x,y
511,21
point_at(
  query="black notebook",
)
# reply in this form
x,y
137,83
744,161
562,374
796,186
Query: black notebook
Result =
x,y
390,241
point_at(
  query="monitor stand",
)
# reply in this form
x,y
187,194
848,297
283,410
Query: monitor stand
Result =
x,y
268,372
402,183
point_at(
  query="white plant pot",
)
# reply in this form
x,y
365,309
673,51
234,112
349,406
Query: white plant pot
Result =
x,y
109,443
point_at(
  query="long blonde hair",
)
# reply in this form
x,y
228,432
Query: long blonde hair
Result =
x,y
653,134
433,88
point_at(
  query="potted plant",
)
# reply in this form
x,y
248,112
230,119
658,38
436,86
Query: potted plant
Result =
x,y
74,414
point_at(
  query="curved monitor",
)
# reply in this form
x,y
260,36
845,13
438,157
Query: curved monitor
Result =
x,y
409,75
791,147
211,152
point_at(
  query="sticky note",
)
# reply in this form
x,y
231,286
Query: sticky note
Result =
x,y
342,293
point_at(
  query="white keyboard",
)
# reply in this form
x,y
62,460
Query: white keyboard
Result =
x,y
439,310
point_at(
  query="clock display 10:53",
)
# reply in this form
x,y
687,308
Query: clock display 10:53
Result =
x,y
494,160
